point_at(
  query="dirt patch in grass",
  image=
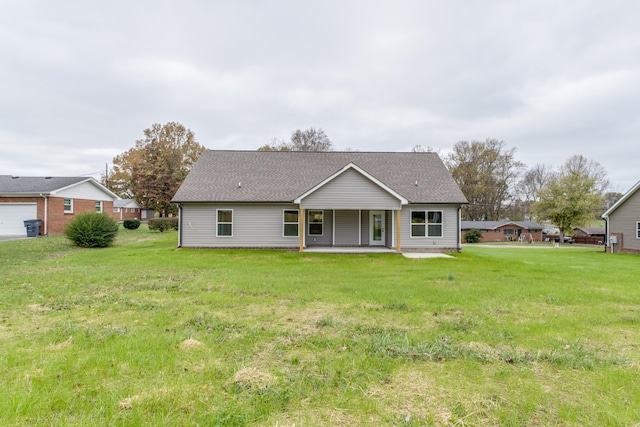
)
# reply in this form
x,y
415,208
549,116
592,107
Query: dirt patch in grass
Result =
x,y
190,344
37,308
253,378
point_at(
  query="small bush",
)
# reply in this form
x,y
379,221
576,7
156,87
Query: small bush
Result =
x,y
473,236
92,230
161,224
131,224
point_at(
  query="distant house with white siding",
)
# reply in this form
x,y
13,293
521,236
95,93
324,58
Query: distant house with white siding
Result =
x,y
623,223
296,200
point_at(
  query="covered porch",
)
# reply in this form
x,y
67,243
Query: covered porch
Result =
x,y
350,230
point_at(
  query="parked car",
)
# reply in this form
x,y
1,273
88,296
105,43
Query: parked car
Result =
x,y
568,240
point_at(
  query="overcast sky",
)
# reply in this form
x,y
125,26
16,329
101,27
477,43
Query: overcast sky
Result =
x,y
81,80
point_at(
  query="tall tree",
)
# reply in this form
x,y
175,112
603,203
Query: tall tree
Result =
x,y
574,196
152,171
589,169
532,181
486,172
301,140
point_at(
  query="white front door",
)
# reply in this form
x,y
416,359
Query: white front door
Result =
x,y
376,228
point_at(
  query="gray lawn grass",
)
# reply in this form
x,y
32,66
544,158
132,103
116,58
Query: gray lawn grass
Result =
x,y
144,333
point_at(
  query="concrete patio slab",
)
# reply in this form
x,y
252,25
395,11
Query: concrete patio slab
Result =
x,y
425,255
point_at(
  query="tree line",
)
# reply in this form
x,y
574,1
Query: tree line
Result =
x,y
497,186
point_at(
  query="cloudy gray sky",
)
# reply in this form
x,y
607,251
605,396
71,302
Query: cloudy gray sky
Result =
x,y
81,80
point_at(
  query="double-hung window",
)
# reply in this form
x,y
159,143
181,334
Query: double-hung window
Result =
x,y
434,223
98,206
638,230
316,221
290,223
426,223
224,220
68,205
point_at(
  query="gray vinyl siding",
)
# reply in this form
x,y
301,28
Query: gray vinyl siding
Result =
x,y
351,190
254,225
388,229
450,228
364,229
327,235
346,228
623,220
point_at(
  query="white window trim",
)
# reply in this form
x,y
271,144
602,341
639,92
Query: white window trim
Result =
x,y
284,223
100,206
637,229
218,223
309,222
426,224
116,209
70,206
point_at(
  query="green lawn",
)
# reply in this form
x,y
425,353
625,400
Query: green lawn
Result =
x,y
144,333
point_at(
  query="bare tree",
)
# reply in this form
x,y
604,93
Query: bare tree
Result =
x,y
486,172
420,149
301,140
532,181
589,169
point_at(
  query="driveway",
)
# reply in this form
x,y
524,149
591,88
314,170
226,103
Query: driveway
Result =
x,y
7,238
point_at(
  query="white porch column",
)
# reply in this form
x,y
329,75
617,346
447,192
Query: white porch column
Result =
x,y
301,230
398,229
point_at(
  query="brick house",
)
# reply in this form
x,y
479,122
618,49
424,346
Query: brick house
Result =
x,y
53,200
127,209
501,231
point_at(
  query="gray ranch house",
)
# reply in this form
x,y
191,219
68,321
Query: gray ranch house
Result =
x,y
623,223
297,200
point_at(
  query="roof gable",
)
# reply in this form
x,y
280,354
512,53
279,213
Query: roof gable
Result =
x,y
622,200
46,186
280,176
349,167
126,203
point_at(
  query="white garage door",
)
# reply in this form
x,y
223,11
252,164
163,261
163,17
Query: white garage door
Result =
x,y
12,216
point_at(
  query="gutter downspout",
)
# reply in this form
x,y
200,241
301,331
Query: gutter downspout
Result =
x,y
459,225
179,225
46,209
606,232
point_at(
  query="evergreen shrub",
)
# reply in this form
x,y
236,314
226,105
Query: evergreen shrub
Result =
x,y
131,224
473,236
162,224
92,230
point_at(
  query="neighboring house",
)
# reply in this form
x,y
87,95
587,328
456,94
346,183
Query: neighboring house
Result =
x,y
53,200
500,231
589,235
623,223
279,199
127,209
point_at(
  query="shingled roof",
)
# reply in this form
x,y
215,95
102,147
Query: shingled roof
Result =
x,y
35,185
282,176
492,225
44,186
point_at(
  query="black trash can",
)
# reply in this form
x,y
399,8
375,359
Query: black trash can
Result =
x,y
33,227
